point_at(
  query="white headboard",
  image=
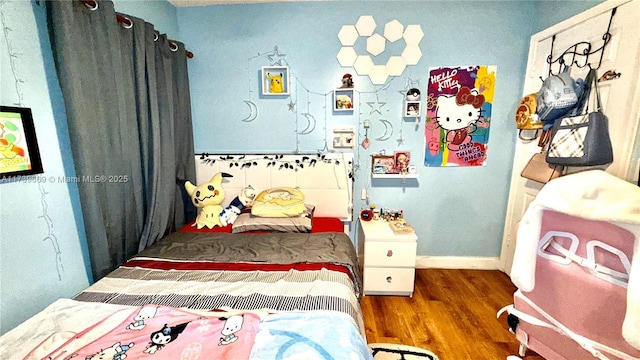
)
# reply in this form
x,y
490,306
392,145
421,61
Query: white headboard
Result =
x,y
325,179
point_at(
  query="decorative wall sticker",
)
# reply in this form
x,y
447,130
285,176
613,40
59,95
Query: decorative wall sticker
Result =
x,y
276,58
388,130
253,111
311,124
458,116
376,105
376,45
51,236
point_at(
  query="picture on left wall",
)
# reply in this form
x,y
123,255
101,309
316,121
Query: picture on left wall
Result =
x,y
19,154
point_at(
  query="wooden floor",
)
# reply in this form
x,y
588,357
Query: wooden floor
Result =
x,y
452,313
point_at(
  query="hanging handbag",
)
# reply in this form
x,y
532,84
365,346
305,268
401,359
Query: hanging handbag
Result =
x,y
537,169
526,117
582,139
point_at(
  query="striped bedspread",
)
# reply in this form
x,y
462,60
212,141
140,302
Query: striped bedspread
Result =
x,y
274,271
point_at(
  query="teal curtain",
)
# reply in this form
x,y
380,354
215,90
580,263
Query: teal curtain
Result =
x,y
126,94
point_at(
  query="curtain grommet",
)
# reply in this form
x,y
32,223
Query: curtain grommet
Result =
x,y
92,8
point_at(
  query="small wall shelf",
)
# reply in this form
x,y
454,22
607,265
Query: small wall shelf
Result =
x,y
343,100
394,176
275,80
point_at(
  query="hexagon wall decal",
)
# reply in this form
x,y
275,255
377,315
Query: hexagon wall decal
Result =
x,y
346,56
411,54
396,65
393,30
366,25
378,74
376,44
363,64
413,34
348,35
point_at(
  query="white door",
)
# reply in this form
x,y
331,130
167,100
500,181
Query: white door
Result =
x,y
620,96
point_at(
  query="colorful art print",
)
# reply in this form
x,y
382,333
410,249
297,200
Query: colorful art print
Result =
x,y
383,164
401,161
19,154
458,115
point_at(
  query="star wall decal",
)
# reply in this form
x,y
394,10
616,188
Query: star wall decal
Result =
x,y
276,58
292,106
376,106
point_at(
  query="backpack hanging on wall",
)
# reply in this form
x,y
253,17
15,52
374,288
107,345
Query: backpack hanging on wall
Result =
x,y
558,95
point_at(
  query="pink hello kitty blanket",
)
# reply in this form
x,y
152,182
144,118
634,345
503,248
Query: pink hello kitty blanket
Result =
x,y
161,332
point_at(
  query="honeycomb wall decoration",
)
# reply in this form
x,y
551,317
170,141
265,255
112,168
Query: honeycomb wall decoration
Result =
x,y
363,64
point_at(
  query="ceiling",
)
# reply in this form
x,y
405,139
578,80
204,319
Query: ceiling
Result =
x,y
186,3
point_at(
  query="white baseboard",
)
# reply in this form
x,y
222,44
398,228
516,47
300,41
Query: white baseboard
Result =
x,y
458,262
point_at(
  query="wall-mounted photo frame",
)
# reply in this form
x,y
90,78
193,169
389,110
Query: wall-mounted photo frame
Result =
x,y
411,109
19,153
383,164
275,80
343,100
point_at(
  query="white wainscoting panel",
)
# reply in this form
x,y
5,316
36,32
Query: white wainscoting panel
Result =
x,y
327,184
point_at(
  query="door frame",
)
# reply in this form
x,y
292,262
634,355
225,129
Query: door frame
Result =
x,y
508,241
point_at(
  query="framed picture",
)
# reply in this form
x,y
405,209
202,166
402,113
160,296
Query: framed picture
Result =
x,y
275,80
343,100
411,109
401,161
19,154
383,164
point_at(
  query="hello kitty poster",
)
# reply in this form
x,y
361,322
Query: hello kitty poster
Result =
x,y
458,115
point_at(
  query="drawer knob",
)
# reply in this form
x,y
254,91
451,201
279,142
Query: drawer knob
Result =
x,y
389,279
389,253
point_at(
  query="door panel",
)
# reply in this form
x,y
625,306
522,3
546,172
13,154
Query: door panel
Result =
x,y
620,96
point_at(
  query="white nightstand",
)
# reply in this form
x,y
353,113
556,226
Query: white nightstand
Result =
x,y
388,259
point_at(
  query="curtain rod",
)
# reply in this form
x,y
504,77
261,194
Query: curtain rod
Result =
x,y
92,4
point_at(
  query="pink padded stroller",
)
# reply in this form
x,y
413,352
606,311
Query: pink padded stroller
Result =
x,y
578,285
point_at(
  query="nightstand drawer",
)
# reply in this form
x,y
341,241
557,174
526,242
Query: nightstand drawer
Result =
x,y
388,281
389,253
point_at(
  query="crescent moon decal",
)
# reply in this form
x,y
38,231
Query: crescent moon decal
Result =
x,y
253,111
311,124
388,130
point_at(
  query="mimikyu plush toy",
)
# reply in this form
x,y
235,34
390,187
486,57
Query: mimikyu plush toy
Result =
x,y
208,197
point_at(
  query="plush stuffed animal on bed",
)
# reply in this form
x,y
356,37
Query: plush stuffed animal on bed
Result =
x,y
231,212
208,197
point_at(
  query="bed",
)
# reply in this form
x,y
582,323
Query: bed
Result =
x,y
229,292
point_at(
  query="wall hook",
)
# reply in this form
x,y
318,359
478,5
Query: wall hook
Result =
x,y
578,53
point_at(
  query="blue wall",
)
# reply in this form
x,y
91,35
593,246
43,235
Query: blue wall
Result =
x,y
456,211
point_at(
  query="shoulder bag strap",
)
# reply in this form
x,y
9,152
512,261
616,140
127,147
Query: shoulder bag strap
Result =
x,y
583,101
595,88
